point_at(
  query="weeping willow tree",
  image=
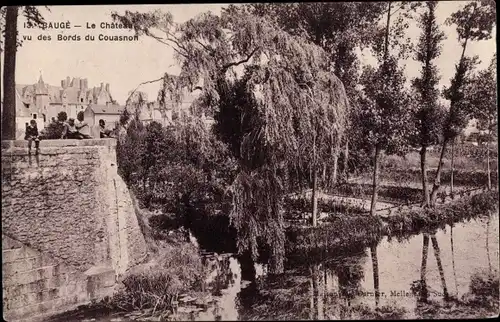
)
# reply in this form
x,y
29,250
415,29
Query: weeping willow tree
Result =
x,y
275,103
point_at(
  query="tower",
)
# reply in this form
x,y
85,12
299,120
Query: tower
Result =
x,y
41,99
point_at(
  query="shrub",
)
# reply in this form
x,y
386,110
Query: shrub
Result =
x,y
484,287
53,131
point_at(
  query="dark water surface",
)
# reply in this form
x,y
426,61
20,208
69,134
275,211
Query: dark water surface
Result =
x,y
329,289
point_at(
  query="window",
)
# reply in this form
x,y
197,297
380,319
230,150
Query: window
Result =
x,y
44,118
81,100
34,116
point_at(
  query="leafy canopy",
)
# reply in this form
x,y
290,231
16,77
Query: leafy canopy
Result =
x,y
297,105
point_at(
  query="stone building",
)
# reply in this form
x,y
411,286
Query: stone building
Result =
x,y
110,113
151,111
42,101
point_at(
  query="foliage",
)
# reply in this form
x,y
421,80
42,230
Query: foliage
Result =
x,y
480,302
340,232
429,219
53,131
294,206
460,177
33,16
428,116
129,148
385,114
366,230
179,269
484,286
474,22
460,105
300,107
339,28
482,94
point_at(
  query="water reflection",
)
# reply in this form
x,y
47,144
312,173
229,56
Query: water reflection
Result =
x,y
353,286
389,280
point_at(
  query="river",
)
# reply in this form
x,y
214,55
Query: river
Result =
x,y
343,286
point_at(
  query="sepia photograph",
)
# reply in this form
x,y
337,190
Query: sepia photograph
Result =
x,y
250,161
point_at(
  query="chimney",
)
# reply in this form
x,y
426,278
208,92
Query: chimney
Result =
x,y
85,82
63,83
82,84
107,87
68,81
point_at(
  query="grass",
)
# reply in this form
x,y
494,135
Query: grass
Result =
x,y
173,268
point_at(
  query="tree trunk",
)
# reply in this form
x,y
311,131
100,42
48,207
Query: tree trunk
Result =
x,y
376,165
335,164
9,75
452,166
423,269
488,155
247,266
437,180
425,179
346,160
314,199
437,253
373,252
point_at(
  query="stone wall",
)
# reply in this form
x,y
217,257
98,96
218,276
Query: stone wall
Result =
x,y
69,204
35,285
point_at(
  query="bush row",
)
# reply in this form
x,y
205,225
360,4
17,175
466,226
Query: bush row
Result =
x,y
467,150
460,177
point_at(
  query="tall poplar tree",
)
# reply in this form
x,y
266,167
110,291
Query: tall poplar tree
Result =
x,y
474,22
428,114
385,114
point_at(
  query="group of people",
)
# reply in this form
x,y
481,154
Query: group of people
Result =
x,y
71,130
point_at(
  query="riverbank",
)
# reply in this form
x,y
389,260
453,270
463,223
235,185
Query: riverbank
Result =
x,y
345,230
172,275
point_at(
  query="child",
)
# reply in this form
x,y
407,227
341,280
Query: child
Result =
x,y
70,131
32,135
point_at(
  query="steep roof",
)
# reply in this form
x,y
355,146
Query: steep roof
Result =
x,y
107,109
23,108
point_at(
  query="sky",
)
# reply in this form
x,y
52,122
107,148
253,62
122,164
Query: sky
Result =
x,y
124,65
